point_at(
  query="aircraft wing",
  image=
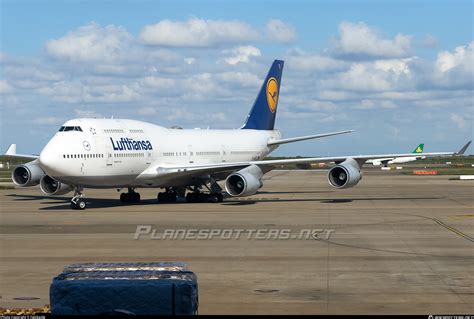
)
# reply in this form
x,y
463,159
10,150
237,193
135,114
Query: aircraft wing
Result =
x,y
307,137
361,159
164,171
11,152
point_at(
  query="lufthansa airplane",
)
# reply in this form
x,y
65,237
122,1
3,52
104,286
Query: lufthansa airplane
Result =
x,y
120,153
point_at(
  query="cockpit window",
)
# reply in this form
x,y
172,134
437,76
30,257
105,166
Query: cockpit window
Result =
x,y
70,128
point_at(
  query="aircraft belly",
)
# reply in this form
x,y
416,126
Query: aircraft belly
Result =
x,y
99,181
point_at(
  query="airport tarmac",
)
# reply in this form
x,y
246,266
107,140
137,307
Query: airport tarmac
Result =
x,y
398,244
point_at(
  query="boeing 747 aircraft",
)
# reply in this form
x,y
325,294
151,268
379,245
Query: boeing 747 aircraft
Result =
x,y
120,153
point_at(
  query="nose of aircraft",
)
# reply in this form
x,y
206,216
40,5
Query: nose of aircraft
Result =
x,y
46,160
49,158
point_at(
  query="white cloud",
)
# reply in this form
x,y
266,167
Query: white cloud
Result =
x,y
360,77
244,79
147,110
5,87
300,60
279,31
68,92
454,70
87,113
314,105
361,40
189,60
462,56
397,66
159,83
197,33
377,76
241,54
48,120
91,43
111,94
366,104
458,120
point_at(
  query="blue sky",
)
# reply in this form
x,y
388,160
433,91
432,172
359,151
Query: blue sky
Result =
x,y
399,72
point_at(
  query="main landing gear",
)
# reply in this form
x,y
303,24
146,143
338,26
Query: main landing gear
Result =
x,y
78,201
170,195
130,197
199,197
194,195
213,196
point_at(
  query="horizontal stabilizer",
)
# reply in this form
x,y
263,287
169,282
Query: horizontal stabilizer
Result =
x,y
308,137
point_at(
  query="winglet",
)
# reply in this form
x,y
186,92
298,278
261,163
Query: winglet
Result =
x,y
463,149
11,150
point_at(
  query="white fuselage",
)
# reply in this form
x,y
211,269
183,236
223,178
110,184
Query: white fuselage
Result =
x,y
109,153
395,160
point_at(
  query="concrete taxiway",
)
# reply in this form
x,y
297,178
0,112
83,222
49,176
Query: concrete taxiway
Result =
x,y
399,244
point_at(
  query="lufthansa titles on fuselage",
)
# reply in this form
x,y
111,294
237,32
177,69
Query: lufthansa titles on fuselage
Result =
x,y
129,144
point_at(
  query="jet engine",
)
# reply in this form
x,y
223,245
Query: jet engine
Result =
x,y
50,186
28,174
345,175
245,182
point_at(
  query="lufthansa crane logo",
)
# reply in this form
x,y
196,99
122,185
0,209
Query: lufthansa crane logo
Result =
x,y
272,94
86,145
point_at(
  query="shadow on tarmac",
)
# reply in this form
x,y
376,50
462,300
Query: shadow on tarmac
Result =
x,y
62,202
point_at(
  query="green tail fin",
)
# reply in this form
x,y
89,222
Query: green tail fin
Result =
x,y
419,149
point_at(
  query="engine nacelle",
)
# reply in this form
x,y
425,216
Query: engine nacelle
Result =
x,y
51,186
28,174
344,175
245,182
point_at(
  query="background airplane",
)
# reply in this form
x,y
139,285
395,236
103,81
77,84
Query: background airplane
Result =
x,y
121,153
398,160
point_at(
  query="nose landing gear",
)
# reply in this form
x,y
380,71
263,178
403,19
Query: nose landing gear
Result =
x,y
78,201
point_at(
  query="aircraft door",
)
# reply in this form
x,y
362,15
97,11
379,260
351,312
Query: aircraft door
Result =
x,y
108,156
149,157
223,153
190,154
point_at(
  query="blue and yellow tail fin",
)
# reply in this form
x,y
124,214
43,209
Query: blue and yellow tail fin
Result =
x,y
418,149
263,112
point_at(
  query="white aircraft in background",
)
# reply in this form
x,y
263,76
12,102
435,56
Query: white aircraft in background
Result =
x,y
119,153
416,155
